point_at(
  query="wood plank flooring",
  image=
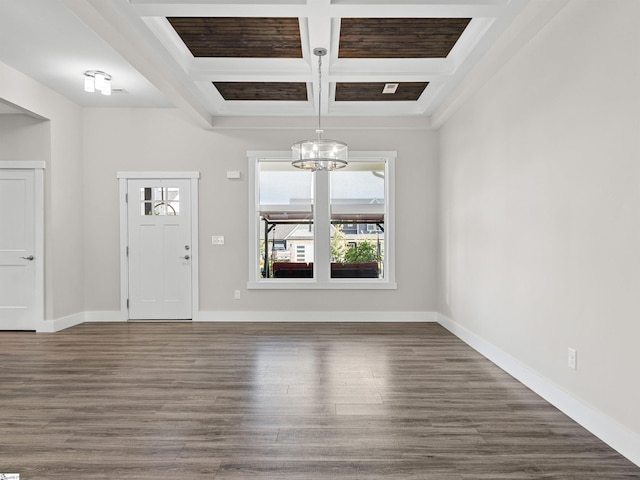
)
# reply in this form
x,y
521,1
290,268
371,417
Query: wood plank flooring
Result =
x,y
277,401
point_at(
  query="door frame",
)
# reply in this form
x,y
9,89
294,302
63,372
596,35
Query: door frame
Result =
x,y
123,178
38,193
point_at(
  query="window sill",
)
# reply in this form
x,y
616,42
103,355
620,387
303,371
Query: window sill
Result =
x,y
310,284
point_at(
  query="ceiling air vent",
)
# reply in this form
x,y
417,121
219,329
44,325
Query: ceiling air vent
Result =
x,y
390,87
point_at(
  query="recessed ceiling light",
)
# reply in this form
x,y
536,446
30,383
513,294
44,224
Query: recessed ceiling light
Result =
x,y
390,87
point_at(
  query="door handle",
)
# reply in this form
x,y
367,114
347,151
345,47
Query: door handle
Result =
x,y
30,257
186,257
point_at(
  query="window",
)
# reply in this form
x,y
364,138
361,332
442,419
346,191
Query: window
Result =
x,y
323,229
159,201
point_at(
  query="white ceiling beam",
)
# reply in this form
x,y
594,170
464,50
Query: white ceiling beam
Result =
x,y
170,39
417,11
391,108
203,67
388,77
345,122
388,9
319,36
404,3
440,66
251,77
235,9
127,41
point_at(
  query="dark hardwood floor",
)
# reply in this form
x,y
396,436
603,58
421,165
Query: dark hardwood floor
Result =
x,y
283,401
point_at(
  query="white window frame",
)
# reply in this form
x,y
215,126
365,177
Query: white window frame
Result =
x,y
322,223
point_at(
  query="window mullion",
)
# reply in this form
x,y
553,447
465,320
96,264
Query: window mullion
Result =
x,y
322,227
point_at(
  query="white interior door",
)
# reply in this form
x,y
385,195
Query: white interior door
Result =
x,y
160,249
18,307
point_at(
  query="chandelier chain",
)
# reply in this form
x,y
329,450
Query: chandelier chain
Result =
x,y
319,92
319,154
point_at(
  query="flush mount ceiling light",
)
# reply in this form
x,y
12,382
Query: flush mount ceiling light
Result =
x,y
319,154
95,80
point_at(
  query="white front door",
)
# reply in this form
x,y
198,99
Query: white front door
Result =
x,y
160,249
18,303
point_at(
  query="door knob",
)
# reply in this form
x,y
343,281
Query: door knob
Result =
x,y
30,257
186,257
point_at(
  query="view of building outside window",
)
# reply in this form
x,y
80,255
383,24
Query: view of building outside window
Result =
x,y
357,218
285,207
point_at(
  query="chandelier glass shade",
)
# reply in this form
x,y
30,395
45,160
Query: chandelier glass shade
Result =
x,y
319,154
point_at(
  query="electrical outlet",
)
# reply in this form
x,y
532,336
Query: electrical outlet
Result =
x,y
572,358
236,294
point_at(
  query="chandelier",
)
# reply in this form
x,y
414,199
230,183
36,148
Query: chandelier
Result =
x,y
319,154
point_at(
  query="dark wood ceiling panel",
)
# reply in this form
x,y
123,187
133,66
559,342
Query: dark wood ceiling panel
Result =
x,y
399,37
247,37
280,91
372,92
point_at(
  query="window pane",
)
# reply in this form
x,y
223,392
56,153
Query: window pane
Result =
x,y
357,218
285,207
159,201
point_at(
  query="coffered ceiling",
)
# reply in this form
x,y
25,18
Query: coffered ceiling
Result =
x,y
255,57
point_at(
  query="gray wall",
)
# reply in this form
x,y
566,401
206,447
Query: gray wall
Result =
x,y
161,140
54,137
539,206
23,138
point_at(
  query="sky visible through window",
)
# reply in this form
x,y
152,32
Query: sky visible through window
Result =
x,y
357,185
285,188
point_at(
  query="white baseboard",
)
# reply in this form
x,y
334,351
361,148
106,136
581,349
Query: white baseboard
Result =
x,y
610,431
315,316
251,316
50,326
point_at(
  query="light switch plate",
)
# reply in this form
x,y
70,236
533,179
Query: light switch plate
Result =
x,y
572,358
217,240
